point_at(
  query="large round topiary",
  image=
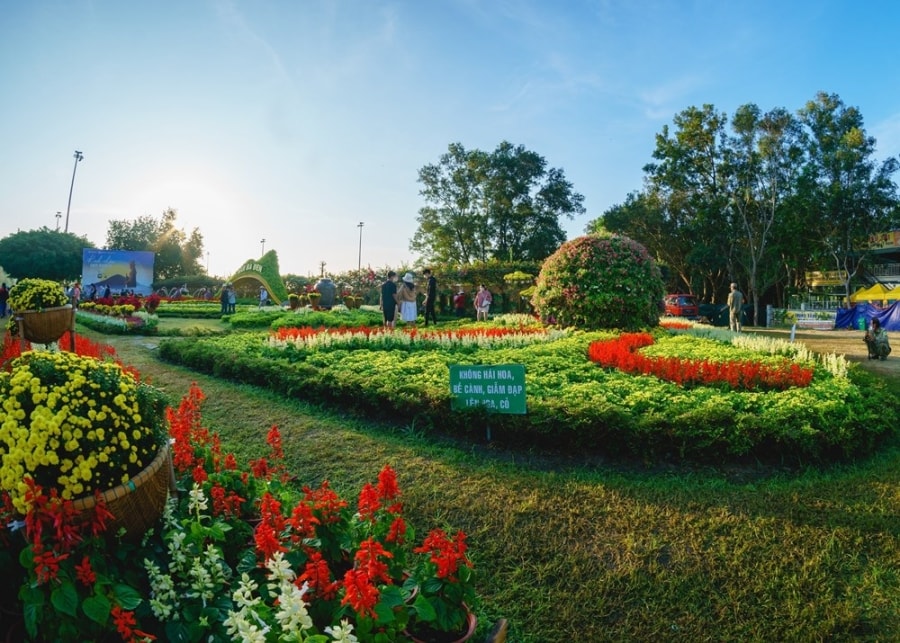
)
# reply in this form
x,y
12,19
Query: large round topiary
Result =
x,y
600,281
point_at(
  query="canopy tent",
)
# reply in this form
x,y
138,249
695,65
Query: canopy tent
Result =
x,y
861,315
879,292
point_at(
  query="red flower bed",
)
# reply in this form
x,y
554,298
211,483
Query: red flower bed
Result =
x,y
309,331
622,353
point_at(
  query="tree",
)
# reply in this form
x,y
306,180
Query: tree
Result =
x,y
763,157
176,253
503,205
684,206
850,197
43,253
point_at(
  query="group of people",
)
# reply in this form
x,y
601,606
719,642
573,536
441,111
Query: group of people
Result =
x,y
403,298
227,299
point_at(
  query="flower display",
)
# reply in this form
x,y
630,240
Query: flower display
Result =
x,y
74,423
244,555
623,353
36,294
600,281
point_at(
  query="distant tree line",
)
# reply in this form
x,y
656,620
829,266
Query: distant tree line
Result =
x,y
760,200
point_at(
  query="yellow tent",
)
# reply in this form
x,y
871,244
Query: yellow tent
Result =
x,y
878,292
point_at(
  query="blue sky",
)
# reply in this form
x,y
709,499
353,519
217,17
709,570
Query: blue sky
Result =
x,y
293,121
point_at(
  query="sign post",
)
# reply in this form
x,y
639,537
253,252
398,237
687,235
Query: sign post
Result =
x,y
498,388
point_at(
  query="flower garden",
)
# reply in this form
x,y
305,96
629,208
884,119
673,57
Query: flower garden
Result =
x,y
239,549
692,393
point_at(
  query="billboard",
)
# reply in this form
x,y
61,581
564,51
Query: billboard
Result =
x,y
118,270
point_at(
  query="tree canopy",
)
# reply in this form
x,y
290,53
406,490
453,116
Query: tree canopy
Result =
x,y
505,204
43,253
757,199
177,253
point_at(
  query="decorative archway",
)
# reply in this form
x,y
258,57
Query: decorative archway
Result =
x,y
264,272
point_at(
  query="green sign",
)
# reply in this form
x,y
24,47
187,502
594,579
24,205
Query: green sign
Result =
x,y
499,388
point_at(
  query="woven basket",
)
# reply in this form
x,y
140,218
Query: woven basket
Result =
x,y
47,325
138,503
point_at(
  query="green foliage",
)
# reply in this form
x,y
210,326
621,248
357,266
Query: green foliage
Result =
x,y
600,281
500,205
43,253
176,252
572,403
582,548
335,318
263,271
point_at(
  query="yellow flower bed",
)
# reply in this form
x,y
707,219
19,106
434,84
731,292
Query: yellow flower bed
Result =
x,y
74,423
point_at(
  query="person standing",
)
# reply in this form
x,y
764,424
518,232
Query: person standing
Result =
x,y
459,304
4,299
430,296
232,299
406,297
735,308
223,300
482,303
263,297
388,301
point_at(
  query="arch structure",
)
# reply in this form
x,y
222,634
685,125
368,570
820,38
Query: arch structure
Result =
x,y
252,275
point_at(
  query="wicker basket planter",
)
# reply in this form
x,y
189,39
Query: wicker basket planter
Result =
x,y
47,325
138,503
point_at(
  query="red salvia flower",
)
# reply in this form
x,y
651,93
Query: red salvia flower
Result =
x,y
360,593
84,573
369,502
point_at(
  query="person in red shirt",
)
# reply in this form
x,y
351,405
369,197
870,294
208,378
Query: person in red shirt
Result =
x,y
459,304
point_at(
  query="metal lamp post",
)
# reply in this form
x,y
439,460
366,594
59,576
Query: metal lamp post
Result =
x,y
263,242
78,157
58,217
359,259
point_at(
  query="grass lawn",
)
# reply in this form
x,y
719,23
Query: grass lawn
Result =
x,y
576,550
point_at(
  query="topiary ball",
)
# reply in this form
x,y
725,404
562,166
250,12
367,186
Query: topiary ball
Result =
x,y
600,281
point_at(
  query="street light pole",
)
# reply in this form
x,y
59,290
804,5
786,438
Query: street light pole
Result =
x,y
359,260
78,157
207,262
263,242
58,217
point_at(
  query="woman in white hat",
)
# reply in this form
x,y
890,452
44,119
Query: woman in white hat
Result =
x,y
406,297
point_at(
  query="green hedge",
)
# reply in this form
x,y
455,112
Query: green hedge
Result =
x,y
572,402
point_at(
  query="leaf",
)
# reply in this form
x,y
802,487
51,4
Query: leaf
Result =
x,y
126,596
65,599
424,609
97,608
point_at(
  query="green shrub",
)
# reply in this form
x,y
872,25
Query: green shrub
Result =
x,y
600,281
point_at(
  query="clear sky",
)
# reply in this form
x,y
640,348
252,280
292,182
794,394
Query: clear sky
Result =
x,y
295,120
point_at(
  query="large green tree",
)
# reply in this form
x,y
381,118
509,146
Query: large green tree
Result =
x,y
43,253
845,192
763,157
504,205
177,253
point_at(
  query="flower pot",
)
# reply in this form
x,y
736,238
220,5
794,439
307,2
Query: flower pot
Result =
x,y
423,634
138,503
47,325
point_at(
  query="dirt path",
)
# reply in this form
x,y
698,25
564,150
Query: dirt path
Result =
x,y
842,342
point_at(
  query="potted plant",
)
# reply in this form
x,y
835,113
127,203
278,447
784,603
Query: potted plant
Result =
x,y
444,579
294,300
42,312
85,462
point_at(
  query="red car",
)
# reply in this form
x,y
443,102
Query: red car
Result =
x,y
681,305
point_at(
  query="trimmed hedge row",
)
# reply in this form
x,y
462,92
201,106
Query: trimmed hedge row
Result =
x,y
572,404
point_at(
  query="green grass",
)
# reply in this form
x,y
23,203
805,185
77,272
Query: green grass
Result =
x,y
569,549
